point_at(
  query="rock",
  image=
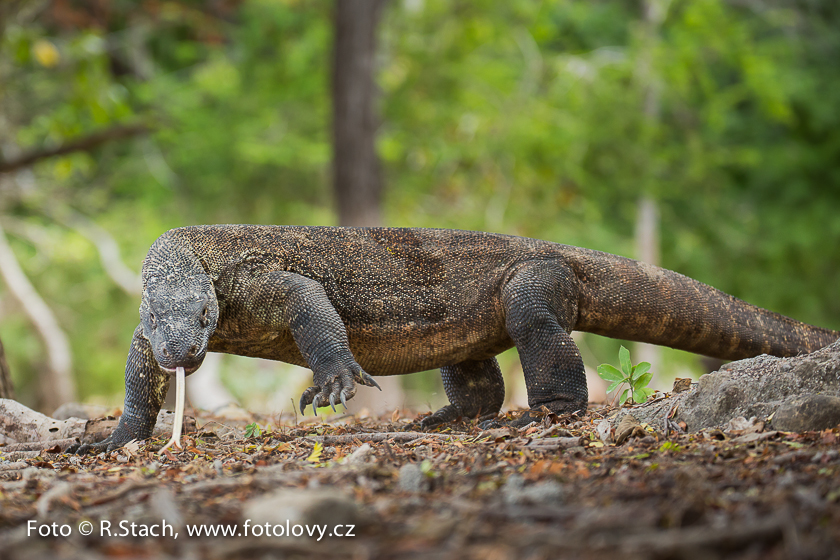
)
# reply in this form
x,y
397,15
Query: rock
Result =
x,y
808,412
163,505
412,478
798,393
360,455
515,491
324,506
234,413
83,411
604,428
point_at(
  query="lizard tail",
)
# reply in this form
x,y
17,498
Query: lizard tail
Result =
x,y
632,300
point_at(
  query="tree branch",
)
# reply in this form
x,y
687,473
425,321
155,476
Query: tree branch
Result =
x,y
7,390
106,245
83,144
61,387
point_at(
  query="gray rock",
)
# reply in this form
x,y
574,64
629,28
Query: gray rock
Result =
x,y
412,478
360,455
324,506
79,410
799,392
515,491
808,412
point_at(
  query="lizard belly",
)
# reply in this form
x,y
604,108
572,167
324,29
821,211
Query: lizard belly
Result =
x,y
407,349
266,344
412,348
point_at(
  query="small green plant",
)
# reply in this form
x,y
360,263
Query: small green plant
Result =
x,y
636,377
253,430
670,446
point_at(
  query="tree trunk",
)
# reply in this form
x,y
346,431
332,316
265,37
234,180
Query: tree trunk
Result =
x,y
357,179
7,390
647,223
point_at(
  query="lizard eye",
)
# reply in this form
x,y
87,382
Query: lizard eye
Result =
x,y
204,320
152,319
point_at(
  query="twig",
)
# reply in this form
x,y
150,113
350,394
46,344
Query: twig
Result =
x,y
555,443
84,144
39,445
549,431
380,436
122,491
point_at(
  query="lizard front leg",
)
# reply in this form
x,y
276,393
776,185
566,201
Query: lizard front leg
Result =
x,y
145,390
475,389
284,300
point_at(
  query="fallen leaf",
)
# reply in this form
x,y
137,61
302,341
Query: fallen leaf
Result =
x,y
315,456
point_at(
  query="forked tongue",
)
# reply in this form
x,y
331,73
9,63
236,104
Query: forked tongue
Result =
x,y
179,411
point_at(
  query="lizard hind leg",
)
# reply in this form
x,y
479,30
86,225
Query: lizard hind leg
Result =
x,y
540,303
475,389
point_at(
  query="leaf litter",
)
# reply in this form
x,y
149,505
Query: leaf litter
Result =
x,y
569,487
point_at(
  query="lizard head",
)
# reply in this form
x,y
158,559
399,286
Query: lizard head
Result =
x,y
179,312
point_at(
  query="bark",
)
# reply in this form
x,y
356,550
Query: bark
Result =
x,y
357,179
58,387
19,425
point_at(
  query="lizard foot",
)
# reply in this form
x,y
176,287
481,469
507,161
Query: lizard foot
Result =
x,y
517,423
447,414
333,387
111,443
558,407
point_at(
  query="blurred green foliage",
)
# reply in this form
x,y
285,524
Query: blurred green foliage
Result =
x,y
520,117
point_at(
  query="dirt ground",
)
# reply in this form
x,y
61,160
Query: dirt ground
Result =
x,y
560,489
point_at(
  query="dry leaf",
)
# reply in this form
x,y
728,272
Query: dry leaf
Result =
x,y
315,456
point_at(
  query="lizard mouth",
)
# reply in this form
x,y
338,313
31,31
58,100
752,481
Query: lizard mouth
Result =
x,y
171,371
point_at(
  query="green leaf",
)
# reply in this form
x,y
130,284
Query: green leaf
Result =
x,y
253,430
614,385
642,381
624,396
610,373
640,369
624,360
639,396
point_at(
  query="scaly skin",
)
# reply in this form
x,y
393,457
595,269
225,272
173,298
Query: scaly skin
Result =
x,y
348,302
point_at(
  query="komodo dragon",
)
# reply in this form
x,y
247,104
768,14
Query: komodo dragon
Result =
x,y
348,302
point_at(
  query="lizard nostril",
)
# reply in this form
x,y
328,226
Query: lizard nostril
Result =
x,y
165,351
193,350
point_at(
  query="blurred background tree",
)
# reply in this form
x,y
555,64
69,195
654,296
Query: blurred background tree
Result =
x,y
549,119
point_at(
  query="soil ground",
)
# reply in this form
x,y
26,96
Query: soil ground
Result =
x,y
560,489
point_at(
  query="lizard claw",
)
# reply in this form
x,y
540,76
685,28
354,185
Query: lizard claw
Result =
x,y
307,397
332,401
343,400
368,380
315,403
